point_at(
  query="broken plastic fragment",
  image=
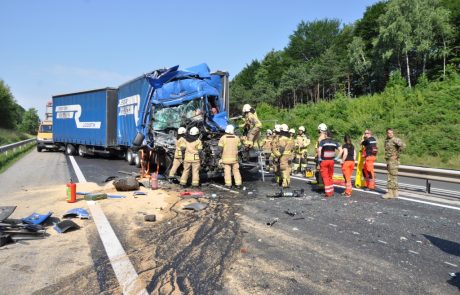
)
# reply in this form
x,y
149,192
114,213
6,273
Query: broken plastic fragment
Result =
x,y
187,193
196,206
150,217
36,218
76,212
65,225
6,211
139,194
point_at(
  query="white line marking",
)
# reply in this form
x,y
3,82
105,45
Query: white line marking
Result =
x,y
224,188
451,264
429,203
122,266
76,168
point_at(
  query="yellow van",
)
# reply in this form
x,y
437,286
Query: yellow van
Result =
x,y
45,137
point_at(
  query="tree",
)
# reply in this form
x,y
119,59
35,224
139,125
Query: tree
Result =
x,y
30,121
8,107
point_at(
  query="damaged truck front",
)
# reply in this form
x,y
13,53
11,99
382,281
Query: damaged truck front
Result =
x,y
162,101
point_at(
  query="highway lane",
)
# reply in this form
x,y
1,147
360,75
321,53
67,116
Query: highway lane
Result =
x,y
358,245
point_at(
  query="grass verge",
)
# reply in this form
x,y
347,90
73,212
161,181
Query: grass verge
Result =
x,y
8,136
6,160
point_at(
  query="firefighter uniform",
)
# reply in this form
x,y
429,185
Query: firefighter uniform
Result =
x,y
318,177
326,151
369,153
177,157
283,152
274,159
230,144
348,165
191,161
267,148
393,147
252,122
300,157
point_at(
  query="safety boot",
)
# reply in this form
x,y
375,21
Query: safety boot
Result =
x,y
389,194
395,193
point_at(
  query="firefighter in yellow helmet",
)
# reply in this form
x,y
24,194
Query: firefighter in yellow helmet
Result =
x,y
322,130
178,152
274,161
191,149
284,153
229,144
267,146
252,125
299,164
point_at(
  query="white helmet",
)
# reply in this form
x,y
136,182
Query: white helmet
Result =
x,y
284,127
230,129
322,127
301,128
181,130
277,127
269,132
246,108
194,131
292,130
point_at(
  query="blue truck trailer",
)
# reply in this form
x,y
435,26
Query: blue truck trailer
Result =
x,y
140,118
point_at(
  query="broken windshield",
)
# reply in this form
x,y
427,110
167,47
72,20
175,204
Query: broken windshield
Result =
x,y
176,116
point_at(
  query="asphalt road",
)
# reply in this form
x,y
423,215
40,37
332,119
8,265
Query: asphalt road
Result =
x,y
361,245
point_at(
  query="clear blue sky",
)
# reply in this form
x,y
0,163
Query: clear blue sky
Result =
x,y
52,46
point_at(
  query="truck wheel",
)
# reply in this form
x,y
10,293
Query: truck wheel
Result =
x,y
39,149
81,150
69,149
137,161
130,157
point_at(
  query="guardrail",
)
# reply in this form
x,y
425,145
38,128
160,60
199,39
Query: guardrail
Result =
x,y
14,146
444,175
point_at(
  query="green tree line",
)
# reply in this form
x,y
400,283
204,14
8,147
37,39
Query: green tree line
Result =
x,y
15,117
325,59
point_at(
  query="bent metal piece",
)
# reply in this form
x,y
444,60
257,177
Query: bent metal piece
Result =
x,y
76,212
6,211
36,218
65,225
196,206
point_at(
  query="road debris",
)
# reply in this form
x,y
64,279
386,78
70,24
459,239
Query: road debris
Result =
x,y
188,193
12,230
150,217
76,212
198,206
126,184
65,226
6,211
36,218
95,196
139,193
403,238
272,222
290,213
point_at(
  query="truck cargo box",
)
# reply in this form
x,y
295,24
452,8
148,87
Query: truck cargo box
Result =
x,y
86,118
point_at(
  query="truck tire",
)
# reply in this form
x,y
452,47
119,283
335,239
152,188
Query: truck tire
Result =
x,y
137,161
39,149
81,150
130,157
70,149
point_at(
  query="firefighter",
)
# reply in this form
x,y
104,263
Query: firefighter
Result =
x,y
283,152
322,129
301,148
191,149
369,153
326,155
267,145
178,153
275,160
252,125
292,133
347,157
229,145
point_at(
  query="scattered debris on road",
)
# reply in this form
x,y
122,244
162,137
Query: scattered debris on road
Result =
x,y
36,218
126,184
273,221
65,226
76,212
150,217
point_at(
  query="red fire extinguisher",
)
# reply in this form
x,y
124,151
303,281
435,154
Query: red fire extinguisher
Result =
x,y
71,192
154,180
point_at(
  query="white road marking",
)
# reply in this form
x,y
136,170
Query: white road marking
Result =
x,y
402,198
224,188
451,264
122,266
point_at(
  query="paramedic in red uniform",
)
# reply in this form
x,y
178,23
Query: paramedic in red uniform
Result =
x,y
369,153
326,155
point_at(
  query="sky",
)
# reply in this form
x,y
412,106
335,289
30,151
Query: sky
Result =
x,y
51,47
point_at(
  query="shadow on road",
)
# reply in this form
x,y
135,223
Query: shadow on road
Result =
x,y
447,246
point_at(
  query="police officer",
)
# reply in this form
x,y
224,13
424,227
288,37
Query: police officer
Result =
x,y
284,153
326,155
393,147
252,124
191,149
229,144
300,159
178,152
369,153
322,129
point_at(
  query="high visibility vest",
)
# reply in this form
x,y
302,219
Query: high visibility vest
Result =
x,y
229,144
328,147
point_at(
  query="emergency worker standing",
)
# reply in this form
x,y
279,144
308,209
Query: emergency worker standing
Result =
x,y
369,153
292,133
326,155
191,149
252,124
322,129
267,147
301,150
229,145
393,148
283,152
178,152
274,160
347,156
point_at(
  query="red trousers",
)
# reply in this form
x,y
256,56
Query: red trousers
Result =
x,y
347,170
326,168
368,171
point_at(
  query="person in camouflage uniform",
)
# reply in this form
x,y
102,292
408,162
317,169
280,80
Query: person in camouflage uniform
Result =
x,y
393,147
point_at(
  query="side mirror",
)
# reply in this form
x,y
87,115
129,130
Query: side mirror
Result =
x,y
139,139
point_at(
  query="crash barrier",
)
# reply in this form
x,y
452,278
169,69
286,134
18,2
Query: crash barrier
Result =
x,y
428,174
13,146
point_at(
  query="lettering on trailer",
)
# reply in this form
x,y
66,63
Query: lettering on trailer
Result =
x,y
130,106
74,111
